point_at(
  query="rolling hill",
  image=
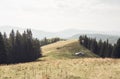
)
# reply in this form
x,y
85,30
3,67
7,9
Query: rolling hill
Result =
x,y
58,63
66,49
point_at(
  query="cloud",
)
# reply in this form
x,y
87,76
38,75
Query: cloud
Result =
x,y
87,14
111,2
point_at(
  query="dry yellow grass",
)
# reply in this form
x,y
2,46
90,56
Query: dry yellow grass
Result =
x,y
86,68
65,49
52,47
51,68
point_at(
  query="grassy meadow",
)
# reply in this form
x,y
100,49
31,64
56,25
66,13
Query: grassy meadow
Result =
x,y
66,50
59,62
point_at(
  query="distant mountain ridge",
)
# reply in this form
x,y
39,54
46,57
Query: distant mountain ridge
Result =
x,y
36,33
112,38
67,34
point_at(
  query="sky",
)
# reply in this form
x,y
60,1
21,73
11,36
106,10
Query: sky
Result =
x,y
56,15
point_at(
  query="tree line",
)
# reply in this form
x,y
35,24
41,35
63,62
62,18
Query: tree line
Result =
x,y
46,41
19,47
101,48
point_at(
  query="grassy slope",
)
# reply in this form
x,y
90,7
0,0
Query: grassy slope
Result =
x,y
53,67
65,49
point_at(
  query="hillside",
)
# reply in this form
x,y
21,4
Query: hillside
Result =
x,y
58,63
66,49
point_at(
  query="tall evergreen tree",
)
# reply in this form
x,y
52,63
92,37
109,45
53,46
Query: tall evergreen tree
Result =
x,y
117,49
114,51
12,46
3,56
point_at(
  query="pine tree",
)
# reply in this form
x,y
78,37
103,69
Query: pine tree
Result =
x,y
106,51
114,51
18,47
99,46
3,56
110,49
12,47
94,46
117,49
7,46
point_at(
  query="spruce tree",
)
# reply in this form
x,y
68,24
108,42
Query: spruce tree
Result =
x,y
117,49
12,46
3,56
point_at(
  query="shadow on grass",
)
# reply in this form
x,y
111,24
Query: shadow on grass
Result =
x,y
23,62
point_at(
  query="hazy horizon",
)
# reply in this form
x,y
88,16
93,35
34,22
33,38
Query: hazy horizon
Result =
x,y
59,15
61,30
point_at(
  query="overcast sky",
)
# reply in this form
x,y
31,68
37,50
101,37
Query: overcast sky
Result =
x,y
56,15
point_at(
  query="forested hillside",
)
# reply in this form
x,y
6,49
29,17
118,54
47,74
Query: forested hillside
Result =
x,y
19,47
101,48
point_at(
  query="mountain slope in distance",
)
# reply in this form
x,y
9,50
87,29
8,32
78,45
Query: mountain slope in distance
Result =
x,y
112,38
66,34
36,33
